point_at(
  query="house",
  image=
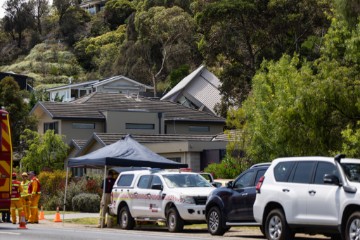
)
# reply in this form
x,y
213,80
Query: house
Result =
x,y
121,113
25,82
115,84
93,6
198,90
196,150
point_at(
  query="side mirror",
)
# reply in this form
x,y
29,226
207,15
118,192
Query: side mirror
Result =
x,y
157,186
331,179
229,184
217,184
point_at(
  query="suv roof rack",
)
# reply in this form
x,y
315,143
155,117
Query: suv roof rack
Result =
x,y
260,165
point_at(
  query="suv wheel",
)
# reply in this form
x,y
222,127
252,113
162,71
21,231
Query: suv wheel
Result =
x,y
125,219
174,221
214,222
276,227
353,227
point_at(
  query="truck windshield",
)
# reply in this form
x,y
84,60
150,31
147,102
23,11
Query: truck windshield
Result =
x,y
352,171
185,180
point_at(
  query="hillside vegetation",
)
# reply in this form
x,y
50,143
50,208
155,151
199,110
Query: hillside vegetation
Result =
x,y
289,70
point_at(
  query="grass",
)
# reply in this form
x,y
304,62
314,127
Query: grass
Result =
x,y
83,221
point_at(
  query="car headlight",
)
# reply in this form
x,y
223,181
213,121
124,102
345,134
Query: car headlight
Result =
x,y
187,199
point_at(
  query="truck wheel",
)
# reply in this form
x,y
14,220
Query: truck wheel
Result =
x,y
125,219
352,231
276,227
214,222
174,221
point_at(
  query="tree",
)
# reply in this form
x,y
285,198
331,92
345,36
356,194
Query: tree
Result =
x,y
43,151
61,7
164,41
41,8
11,98
117,11
298,107
238,35
18,18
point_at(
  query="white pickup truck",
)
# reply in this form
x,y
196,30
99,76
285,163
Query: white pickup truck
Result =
x,y
177,198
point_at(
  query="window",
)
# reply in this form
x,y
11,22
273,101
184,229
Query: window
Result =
x,y
125,180
146,126
282,171
259,174
83,125
156,180
303,172
144,181
51,126
199,128
322,169
245,180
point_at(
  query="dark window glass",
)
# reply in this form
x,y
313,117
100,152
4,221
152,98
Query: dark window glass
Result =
x,y
144,181
125,180
282,171
322,169
303,172
199,128
245,180
259,174
52,126
156,180
139,126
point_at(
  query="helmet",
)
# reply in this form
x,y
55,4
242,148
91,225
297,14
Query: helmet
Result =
x,y
24,174
14,174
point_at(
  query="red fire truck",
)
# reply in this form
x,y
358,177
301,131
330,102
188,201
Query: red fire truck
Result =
x,y
5,161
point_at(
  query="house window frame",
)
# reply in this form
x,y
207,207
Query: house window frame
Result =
x,y
83,125
51,126
140,126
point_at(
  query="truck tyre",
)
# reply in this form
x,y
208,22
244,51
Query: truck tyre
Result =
x,y
125,220
352,231
276,227
215,222
174,221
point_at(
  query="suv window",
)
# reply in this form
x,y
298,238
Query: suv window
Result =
x,y
303,172
156,180
245,180
322,169
259,174
144,181
282,171
125,180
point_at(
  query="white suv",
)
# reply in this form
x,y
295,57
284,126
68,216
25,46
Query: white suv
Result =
x,y
315,195
158,195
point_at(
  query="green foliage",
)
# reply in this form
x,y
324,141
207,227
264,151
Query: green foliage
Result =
x,y
98,53
178,74
11,98
228,168
117,11
351,141
86,202
51,184
46,151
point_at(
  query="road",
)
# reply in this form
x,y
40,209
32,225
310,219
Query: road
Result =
x,y
60,231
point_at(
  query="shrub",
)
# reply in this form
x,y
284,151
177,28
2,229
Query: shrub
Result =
x,y
228,168
86,202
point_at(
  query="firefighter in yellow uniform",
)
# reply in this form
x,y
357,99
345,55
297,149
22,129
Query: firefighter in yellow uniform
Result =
x,y
16,202
25,196
34,191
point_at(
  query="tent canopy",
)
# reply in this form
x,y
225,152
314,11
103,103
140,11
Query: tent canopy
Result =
x,y
124,153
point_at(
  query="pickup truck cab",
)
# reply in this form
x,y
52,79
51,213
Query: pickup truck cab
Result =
x,y
176,198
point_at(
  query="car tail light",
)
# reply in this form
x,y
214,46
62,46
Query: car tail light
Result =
x,y
259,184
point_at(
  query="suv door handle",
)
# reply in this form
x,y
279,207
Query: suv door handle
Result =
x,y
244,194
312,192
286,190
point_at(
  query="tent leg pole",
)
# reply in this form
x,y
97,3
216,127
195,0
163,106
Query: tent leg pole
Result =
x,y
66,183
103,214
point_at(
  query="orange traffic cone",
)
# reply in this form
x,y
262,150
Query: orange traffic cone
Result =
x,y
41,215
57,216
22,223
